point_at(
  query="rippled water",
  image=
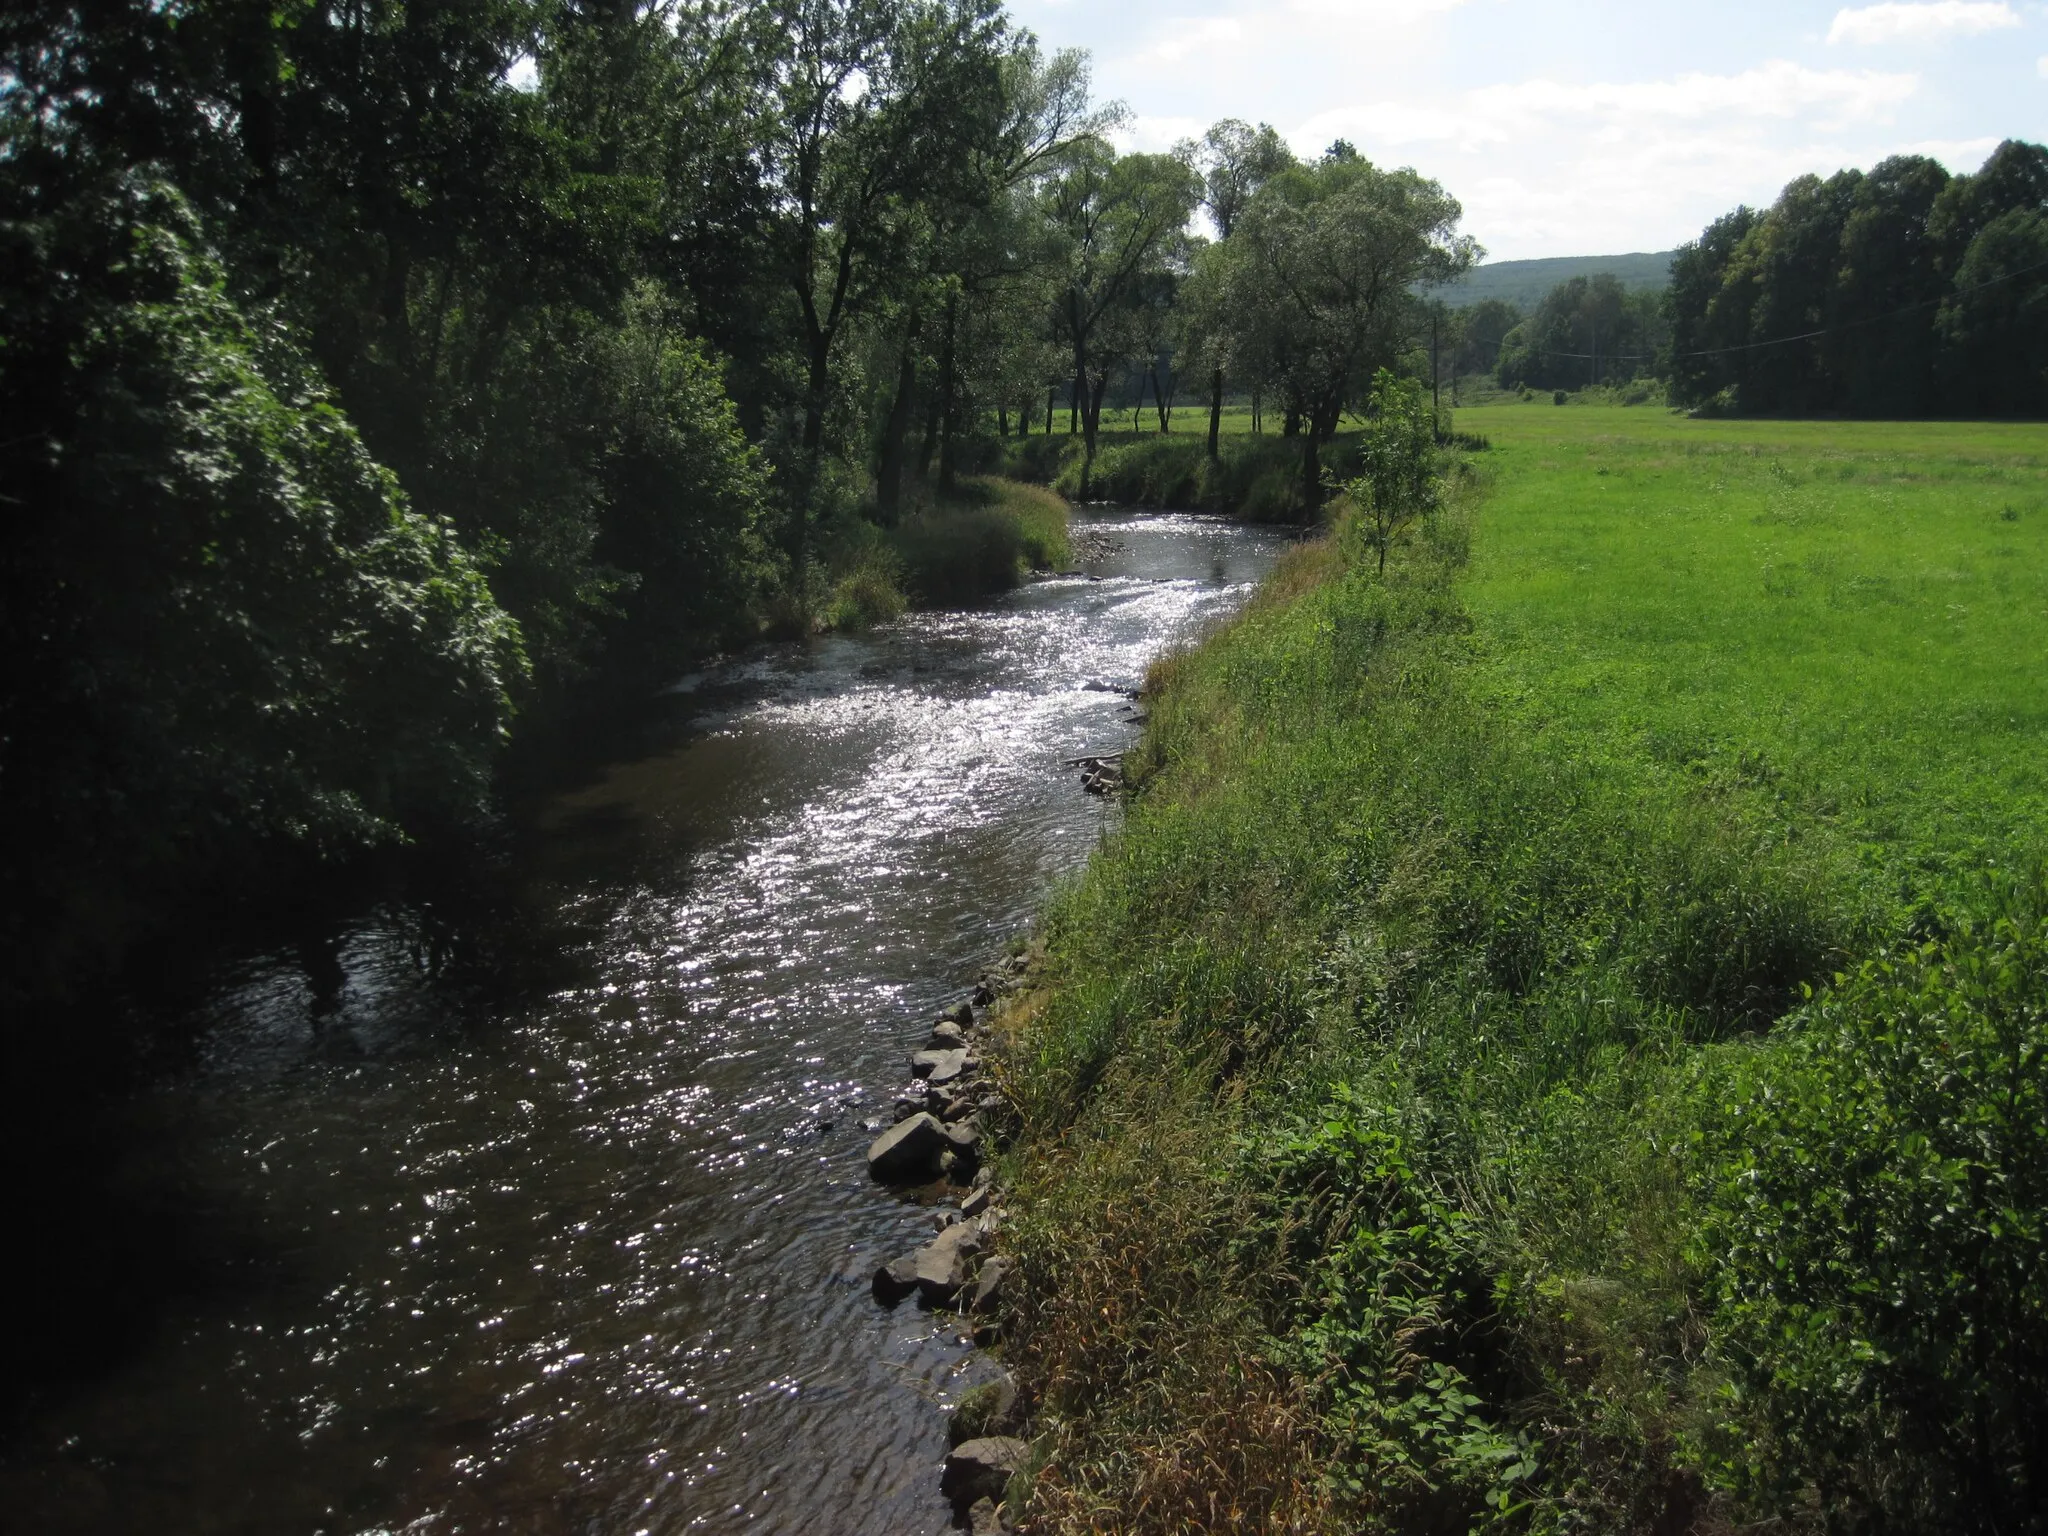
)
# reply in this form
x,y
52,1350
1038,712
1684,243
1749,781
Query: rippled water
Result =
x,y
594,1256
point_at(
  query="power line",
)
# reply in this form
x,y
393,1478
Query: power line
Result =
x,y
1781,341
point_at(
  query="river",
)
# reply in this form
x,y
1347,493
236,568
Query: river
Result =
x,y
555,1218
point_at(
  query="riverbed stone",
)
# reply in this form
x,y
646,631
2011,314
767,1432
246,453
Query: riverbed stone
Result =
x,y
895,1280
982,1469
988,1287
946,1036
939,1066
961,1014
993,1408
985,1518
941,1266
977,1201
909,1151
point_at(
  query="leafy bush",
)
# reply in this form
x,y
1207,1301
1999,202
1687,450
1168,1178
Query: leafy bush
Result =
x,y
1873,1236
981,541
224,627
1399,1318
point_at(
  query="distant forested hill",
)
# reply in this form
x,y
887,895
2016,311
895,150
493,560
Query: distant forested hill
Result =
x,y
1524,283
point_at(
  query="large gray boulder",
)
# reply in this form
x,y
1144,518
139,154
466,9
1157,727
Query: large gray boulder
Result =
x,y
982,1469
942,1266
939,1066
908,1152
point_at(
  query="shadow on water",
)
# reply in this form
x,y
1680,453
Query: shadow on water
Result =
x,y
522,1189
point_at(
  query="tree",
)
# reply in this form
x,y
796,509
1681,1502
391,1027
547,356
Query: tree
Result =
x,y
1321,284
1397,481
224,628
1236,162
1586,330
885,109
1117,217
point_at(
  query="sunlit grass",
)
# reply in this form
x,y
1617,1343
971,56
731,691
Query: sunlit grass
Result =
x,y
1855,613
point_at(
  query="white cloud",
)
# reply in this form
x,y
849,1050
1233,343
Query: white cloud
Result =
x,y
2041,66
1617,112
1895,23
1191,35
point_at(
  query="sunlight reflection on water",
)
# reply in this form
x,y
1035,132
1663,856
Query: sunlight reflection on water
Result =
x,y
598,1259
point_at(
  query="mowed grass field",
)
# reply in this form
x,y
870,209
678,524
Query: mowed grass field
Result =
x,y
1852,614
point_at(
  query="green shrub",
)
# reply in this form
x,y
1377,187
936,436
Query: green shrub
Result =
x,y
980,541
1873,1186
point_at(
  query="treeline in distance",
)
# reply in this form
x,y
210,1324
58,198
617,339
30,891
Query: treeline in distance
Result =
x,y
1898,292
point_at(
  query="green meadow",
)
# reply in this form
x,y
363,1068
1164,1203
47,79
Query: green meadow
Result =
x,y
1853,613
1560,1040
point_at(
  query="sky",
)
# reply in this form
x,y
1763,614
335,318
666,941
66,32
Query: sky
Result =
x,y
1587,128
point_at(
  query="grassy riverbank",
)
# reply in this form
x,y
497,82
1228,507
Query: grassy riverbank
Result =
x,y
1557,1043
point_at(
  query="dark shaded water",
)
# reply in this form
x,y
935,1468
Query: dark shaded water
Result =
x,y
576,1236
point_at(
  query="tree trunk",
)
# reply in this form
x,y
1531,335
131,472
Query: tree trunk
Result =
x,y
1091,424
930,444
1292,425
814,446
1215,409
1162,402
1311,475
949,413
1002,421
1074,407
889,474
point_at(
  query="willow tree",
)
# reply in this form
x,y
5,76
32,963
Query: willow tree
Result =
x,y
1318,282
1118,217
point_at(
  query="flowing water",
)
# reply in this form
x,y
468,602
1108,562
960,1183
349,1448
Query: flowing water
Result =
x,y
562,1223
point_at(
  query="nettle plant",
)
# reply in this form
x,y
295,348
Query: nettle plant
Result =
x,y
1398,1320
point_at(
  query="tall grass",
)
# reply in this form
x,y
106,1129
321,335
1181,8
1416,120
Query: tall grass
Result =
x,y
981,539
1383,1160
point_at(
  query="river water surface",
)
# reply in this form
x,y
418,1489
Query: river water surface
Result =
x,y
591,1253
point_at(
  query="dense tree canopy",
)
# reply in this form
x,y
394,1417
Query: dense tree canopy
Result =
x,y
1903,291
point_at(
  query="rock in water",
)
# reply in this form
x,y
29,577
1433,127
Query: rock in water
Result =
x,y
939,1066
896,1280
985,1519
988,1287
908,1152
982,1469
941,1265
961,1014
989,1409
947,1036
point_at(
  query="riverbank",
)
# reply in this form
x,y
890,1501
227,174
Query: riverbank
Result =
x,y
1557,1041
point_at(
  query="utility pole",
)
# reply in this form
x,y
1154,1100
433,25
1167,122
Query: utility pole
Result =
x,y
1436,403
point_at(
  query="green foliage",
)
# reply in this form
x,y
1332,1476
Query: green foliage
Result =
x,y
1873,1236
1397,483
984,541
1586,330
224,626
1910,292
1434,962
1398,1314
